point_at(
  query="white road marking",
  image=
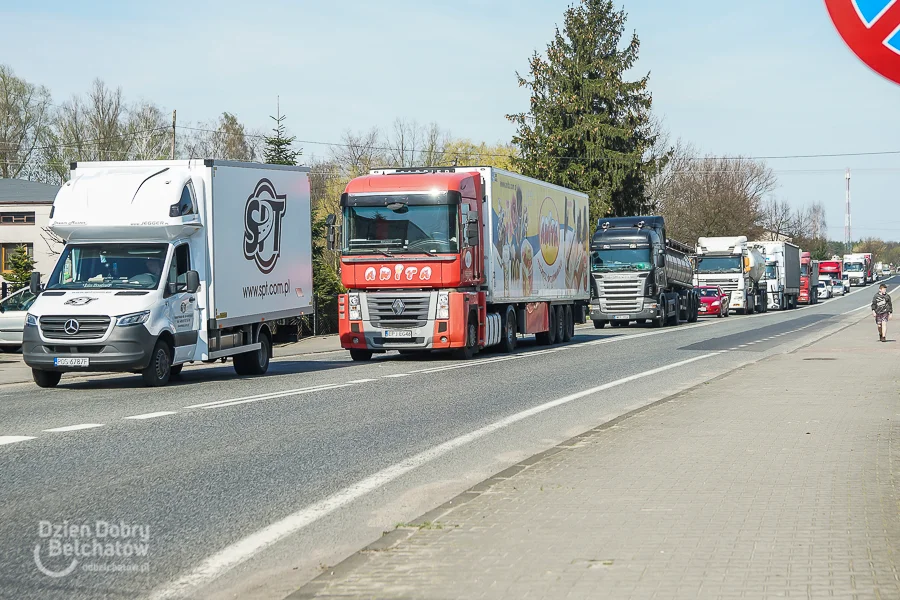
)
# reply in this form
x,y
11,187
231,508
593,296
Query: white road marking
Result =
x,y
242,550
362,380
153,415
74,427
266,396
396,375
12,439
236,401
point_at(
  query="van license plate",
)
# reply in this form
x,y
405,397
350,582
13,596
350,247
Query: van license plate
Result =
x,y
70,362
398,333
622,317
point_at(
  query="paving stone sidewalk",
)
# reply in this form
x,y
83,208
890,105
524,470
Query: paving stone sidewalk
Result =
x,y
776,481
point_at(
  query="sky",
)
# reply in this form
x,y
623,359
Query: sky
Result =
x,y
764,78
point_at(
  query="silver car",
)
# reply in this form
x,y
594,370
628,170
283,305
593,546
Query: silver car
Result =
x,y
12,319
838,288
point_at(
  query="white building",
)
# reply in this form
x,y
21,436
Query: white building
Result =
x,y
24,213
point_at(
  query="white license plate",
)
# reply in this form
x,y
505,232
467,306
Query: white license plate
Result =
x,y
622,317
70,362
398,333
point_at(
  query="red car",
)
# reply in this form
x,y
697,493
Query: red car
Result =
x,y
713,301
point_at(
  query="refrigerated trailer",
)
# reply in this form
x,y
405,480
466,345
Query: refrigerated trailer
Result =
x,y
168,263
459,259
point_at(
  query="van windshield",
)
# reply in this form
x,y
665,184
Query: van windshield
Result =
x,y
109,266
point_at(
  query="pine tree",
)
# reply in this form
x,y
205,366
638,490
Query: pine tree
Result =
x,y
588,127
21,266
279,147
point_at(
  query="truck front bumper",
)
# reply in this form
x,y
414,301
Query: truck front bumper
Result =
x,y
649,309
126,349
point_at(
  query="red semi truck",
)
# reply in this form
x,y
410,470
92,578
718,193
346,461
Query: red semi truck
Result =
x,y
833,269
809,279
459,259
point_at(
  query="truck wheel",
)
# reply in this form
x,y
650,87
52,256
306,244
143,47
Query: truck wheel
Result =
x,y
256,362
569,320
468,351
46,379
360,355
599,324
551,334
158,372
561,327
510,330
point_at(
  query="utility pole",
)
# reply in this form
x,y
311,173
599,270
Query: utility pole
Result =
x,y
848,239
172,154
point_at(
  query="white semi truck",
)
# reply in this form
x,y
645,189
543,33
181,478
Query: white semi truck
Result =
x,y
737,267
168,263
782,273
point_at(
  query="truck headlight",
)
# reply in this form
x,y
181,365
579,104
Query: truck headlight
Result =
x,y
355,312
132,319
30,320
443,305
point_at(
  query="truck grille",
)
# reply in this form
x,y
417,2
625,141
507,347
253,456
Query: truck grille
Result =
x,y
621,295
727,286
88,327
412,308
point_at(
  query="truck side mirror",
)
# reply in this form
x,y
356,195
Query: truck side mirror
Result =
x,y
329,223
472,233
34,285
192,282
661,260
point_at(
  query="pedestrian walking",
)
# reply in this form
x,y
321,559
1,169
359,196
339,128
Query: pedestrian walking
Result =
x,y
881,310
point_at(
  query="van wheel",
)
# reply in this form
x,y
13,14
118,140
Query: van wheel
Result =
x,y
569,321
256,362
46,379
158,372
176,370
360,355
509,327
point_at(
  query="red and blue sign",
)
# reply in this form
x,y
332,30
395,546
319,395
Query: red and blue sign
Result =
x,y
871,28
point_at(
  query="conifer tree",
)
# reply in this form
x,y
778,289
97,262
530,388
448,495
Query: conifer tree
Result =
x,y
588,127
21,265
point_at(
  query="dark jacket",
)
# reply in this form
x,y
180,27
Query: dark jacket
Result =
x,y
881,304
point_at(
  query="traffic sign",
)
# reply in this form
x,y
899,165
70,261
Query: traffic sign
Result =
x,y
871,28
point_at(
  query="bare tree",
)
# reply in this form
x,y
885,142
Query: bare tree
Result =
x,y
780,219
226,139
404,142
150,132
435,141
358,152
24,116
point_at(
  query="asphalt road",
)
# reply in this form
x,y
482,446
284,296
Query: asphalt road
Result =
x,y
229,487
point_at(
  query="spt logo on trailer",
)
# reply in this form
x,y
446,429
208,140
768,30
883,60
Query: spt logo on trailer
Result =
x,y
871,28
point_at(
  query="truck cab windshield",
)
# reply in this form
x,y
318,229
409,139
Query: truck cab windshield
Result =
x,y
719,264
401,228
771,272
804,270
853,267
619,259
109,266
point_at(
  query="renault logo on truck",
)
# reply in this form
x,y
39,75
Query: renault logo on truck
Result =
x,y
262,225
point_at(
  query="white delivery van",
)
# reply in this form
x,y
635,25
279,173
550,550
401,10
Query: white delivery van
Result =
x,y
168,263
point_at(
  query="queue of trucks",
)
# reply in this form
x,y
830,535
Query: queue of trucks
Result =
x,y
168,263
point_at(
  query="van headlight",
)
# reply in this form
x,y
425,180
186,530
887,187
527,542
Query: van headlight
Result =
x,y
30,320
443,305
132,319
355,312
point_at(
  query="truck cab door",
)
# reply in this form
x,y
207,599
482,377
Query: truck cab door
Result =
x,y
182,306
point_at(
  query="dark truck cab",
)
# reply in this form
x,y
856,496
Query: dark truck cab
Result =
x,y
638,274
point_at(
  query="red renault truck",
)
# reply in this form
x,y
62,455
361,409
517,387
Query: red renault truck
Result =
x,y
809,279
831,269
459,259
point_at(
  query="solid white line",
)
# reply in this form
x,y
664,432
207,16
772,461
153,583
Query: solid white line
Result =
x,y
242,550
264,396
396,375
153,415
464,365
12,439
280,395
362,380
74,427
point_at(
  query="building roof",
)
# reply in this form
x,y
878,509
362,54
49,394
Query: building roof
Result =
x,y
22,191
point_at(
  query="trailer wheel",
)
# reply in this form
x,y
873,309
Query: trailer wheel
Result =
x,y
599,324
360,355
159,370
46,379
569,320
561,327
509,337
546,338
